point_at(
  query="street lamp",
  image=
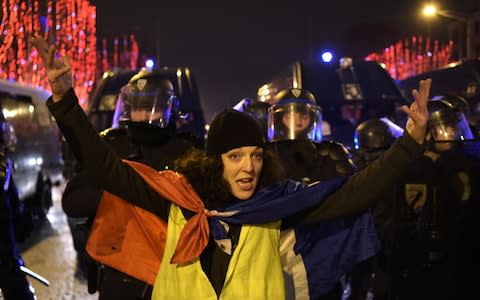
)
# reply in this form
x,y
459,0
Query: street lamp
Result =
x,y
467,19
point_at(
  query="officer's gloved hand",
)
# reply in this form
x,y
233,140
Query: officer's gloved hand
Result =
x,y
3,168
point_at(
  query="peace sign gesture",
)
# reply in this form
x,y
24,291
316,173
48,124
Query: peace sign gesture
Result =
x,y
58,69
418,112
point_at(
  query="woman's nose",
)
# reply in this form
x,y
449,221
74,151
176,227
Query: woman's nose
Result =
x,y
248,164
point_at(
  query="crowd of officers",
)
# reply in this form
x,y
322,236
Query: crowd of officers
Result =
x,y
425,224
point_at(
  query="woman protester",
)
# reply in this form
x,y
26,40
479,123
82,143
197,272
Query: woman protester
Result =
x,y
225,208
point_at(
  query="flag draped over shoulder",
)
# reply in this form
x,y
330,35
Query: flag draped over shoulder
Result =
x,y
322,252
325,250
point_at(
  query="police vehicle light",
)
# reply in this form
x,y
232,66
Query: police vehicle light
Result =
x,y
327,56
149,63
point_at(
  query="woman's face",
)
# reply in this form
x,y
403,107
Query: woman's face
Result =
x,y
241,169
299,121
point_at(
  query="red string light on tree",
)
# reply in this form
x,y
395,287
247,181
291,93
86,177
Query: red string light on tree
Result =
x,y
407,58
71,26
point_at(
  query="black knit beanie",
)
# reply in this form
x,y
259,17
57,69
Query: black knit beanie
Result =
x,y
233,129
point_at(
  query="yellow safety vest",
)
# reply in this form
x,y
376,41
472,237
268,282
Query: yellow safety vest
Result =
x,y
254,272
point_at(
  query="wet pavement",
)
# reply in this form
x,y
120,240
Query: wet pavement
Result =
x,y
50,253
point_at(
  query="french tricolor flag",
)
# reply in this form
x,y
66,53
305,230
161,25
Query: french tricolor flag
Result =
x,y
314,257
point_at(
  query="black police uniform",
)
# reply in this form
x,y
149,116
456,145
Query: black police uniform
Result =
x,y
309,162
426,226
431,252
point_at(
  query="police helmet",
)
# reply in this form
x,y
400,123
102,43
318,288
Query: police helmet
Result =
x,y
447,123
147,98
458,102
257,109
294,116
374,134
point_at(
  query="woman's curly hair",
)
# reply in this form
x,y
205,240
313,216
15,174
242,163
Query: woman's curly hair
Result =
x,y
205,174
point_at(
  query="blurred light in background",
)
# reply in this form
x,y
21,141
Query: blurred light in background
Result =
x,y
429,10
149,63
327,56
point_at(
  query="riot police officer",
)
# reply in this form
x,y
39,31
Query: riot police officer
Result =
x,y
295,132
143,130
448,126
13,283
461,104
371,138
426,228
455,150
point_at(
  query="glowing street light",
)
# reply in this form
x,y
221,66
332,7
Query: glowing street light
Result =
x,y
431,10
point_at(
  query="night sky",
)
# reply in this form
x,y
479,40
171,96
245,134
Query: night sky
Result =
x,y
233,47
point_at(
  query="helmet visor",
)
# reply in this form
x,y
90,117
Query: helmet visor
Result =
x,y
152,106
449,126
294,121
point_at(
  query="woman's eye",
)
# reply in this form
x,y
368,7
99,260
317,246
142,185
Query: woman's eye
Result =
x,y
234,156
258,155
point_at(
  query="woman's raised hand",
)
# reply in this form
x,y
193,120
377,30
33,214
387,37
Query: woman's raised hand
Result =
x,y
58,68
418,112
